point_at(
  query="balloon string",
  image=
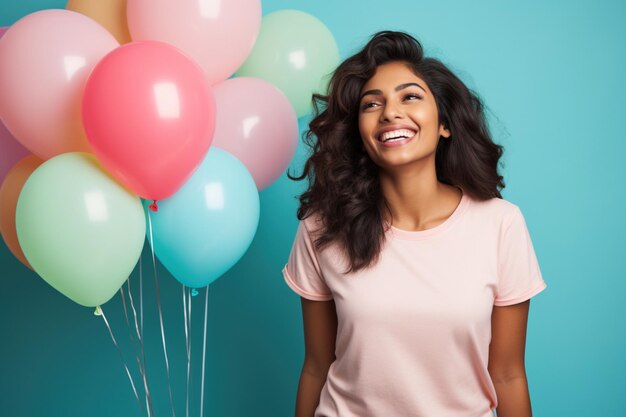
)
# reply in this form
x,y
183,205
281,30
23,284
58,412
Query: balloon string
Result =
x,y
185,319
130,378
187,347
130,333
140,365
158,296
206,308
140,295
126,311
190,339
140,333
146,387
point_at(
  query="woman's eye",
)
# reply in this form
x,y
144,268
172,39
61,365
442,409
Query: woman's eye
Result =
x,y
412,97
369,105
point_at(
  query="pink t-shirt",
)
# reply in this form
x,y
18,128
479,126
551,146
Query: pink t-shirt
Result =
x,y
413,331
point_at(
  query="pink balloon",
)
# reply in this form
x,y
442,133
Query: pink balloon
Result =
x,y
258,125
10,149
217,34
149,115
45,59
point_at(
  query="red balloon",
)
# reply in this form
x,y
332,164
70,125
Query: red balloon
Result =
x,y
149,115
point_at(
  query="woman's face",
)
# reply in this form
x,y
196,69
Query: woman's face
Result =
x,y
398,118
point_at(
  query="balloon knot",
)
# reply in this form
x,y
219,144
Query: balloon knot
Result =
x,y
154,207
98,311
194,292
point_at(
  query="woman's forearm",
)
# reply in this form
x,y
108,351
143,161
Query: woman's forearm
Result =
x,y
309,389
513,398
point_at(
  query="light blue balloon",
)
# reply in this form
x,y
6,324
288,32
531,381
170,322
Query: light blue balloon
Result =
x,y
201,231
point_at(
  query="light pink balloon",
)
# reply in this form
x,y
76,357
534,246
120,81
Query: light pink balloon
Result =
x,y
45,59
11,151
149,115
256,123
217,34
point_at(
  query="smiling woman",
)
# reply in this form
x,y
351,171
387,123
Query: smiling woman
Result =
x,y
349,170
414,274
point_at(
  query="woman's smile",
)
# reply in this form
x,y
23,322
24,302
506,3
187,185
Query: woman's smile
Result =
x,y
395,135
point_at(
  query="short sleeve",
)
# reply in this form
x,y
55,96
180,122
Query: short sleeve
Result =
x,y
302,272
519,274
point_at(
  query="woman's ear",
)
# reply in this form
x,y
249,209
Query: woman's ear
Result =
x,y
443,131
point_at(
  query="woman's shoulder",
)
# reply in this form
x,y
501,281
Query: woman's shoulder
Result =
x,y
332,252
313,222
311,218
494,208
496,203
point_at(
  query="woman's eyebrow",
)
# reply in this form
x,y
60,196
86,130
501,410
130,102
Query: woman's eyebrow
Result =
x,y
405,85
398,88
371,92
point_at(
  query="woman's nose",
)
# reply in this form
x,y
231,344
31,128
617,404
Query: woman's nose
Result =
x,y
390,112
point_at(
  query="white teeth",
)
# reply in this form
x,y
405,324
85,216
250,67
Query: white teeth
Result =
x,y
400,133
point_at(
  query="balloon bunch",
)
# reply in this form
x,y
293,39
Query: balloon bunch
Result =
x,y
104,104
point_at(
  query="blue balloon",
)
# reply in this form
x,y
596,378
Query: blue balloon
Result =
x,y
202,230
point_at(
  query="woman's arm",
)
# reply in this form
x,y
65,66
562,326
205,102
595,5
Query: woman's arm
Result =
x,y
506,359
320,333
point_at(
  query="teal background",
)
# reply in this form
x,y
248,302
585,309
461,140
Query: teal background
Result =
x,y
551,74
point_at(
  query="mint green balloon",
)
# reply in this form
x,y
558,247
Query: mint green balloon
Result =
x,y
81,231
297,53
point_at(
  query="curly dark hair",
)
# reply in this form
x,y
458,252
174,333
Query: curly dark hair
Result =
x,y
344,188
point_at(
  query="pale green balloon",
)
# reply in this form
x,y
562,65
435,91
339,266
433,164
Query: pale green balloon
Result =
x,y
81,231
297,53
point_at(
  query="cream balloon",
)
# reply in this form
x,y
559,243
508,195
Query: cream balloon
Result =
x,y
111,14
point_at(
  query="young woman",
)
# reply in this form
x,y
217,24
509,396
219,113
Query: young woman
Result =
x,y
414,274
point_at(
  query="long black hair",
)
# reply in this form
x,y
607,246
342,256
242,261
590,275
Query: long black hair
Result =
x,y
344,188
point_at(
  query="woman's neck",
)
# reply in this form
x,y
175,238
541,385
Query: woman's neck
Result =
x,y
417,200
